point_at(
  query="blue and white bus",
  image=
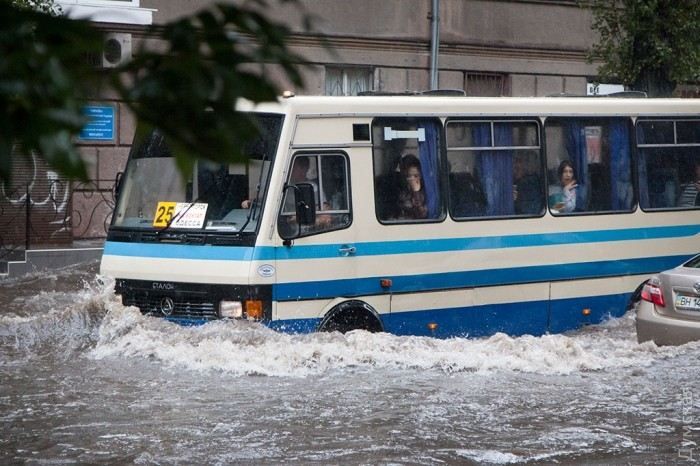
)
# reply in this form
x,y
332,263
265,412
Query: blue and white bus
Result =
x,y
420,215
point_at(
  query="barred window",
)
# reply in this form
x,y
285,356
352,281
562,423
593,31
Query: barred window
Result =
x,y
484,85
348,81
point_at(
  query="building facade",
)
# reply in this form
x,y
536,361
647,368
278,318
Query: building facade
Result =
x,y
487,48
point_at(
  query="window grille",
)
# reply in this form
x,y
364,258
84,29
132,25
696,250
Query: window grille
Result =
x,y
348,81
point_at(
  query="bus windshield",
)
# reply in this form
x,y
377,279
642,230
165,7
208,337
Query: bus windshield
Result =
x,y
217,198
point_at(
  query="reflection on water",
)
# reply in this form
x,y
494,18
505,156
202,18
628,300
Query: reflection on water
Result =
x,y
85,379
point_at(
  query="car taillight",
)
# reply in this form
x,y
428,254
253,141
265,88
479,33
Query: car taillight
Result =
x,y
653,293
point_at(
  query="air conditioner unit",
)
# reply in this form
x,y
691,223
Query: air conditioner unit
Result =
x,y
116,49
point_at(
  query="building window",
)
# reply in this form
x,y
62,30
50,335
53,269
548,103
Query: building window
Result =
x,y
484,85
348,81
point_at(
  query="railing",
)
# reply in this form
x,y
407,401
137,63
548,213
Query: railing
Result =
x,y
53,212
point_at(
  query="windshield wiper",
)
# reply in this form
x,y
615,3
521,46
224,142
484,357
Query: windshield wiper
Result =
x,y
255,203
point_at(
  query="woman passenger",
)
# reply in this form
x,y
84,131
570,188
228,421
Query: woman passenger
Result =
x,y
412,203
562,196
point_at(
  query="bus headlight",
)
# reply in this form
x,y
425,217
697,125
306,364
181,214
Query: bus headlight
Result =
x,y
231,309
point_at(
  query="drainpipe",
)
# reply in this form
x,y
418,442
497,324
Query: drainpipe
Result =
x,y
434,43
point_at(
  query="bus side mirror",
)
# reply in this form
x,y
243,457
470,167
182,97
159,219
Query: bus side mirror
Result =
x,y
305,202
303,197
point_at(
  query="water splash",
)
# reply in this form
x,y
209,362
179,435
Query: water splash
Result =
x,y
245,348
57,322
91,321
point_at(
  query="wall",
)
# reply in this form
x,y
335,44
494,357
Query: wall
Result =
x,y
538,45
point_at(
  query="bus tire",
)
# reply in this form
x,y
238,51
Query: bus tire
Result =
x,y
351,315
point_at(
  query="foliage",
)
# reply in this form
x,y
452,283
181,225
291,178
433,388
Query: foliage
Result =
x,y
43,80
188,88
649,45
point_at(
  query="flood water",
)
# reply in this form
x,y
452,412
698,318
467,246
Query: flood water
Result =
x,y
85,380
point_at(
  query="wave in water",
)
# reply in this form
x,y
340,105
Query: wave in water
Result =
x,y
93,322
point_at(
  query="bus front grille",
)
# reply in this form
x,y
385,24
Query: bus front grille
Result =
x,y
163,306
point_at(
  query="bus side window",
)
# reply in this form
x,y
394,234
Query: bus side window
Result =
x,y
328,174
406,160
669,164
495,168
590,165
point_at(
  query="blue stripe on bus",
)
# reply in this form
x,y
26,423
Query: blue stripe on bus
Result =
x,y
466,279
523,318
485,242
178,251
324,251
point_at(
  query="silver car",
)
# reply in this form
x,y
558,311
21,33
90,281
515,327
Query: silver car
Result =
x,y
668,312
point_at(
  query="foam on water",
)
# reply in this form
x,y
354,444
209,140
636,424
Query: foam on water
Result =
x,y
249,348
93,321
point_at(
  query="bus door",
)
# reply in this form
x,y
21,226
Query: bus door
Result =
x,y
318,260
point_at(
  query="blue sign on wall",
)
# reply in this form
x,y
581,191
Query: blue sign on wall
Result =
x,y
100,126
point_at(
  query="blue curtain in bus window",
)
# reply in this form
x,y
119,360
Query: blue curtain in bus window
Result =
x,y
642,167
576,147
620,165
428,154
495,168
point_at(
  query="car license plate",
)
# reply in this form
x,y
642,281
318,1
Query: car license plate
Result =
x,y
688,302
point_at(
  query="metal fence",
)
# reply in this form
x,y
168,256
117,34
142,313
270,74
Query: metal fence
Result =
x,y
39,209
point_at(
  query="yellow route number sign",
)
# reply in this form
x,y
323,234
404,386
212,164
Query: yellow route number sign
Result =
x,y
164,213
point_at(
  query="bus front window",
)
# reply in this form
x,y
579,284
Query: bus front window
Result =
x,y
214,198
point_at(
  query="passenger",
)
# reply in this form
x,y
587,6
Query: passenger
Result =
x,y
412,203
562,197
527,186
467,195
689,191
298,175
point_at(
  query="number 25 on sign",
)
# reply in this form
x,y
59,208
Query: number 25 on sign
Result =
x,y
164,212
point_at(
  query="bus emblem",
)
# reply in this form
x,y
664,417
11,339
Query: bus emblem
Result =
x,y
167,306
266,270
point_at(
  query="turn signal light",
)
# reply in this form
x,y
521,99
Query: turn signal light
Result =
x,y
654,294
586,312
254,309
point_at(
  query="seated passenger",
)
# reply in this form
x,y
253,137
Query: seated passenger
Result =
x,y
467,195
299,175
527,187
411,197
562,196
689,191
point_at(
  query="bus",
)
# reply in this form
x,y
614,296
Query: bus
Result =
x,y
416,215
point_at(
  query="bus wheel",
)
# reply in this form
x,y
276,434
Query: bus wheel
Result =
x,y
351,315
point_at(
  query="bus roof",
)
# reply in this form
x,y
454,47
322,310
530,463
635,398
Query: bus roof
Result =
x,y
477,106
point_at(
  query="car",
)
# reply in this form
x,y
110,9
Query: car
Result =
x,y
668,311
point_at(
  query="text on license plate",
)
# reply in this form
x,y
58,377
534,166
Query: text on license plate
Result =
x,y
688,302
